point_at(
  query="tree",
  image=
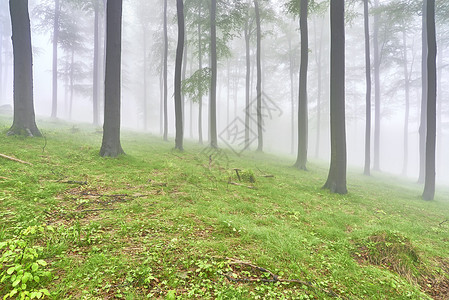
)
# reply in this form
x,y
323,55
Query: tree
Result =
x,y
178,70
111,129
424,85
336,181
24,118
165,72
213,82
259,79
429,186
303,120
54,97
367,168
376,163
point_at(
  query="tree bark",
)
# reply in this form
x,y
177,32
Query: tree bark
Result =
x,y
301,159
200,67
111,129
429,184
54,97
424,79
259,79
247,83
178,73
24,118
367,168
213,84
165,73
336,181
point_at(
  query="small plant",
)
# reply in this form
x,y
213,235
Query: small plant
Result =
x,y
22,273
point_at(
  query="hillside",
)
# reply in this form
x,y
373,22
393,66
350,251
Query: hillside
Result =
x,y
158,223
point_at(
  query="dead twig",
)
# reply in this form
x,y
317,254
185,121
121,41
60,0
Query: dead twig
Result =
x,y
94,210
267,176
239,184
441,223
74,182
4,178
238,175
15,159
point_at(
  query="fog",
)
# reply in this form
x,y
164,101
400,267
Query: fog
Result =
x,y
280,46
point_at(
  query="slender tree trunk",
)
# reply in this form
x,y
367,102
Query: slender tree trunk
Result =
x,y
367,168
72,84
429,184
183,77
318,58
259,79
336,181
213,86
96,120
407,102
439,110
424,80
145,81
111,129
377,117
292,96
165,72
200,67
247,84
24,119
301,159
228,95
178,74
1,63
161,101
54,107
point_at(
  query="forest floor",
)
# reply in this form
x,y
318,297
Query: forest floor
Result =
x,y
162,224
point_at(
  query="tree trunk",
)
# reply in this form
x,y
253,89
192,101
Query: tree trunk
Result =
x,y
96,121
178,73
424,75
376,165
429,185
407,102
301,159
72,67
145,81
24,119
200,67
111,129
318,58
367,168
336,181
259,80
183,77
292,96
247,83
165,72
54,97
213,84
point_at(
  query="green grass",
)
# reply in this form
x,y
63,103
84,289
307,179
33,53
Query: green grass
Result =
x,y
158,223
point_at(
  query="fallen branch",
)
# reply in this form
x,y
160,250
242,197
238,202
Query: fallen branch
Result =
x,y
267,176
94,210
274,278
4,178
447,220
239,184
15,159
74,182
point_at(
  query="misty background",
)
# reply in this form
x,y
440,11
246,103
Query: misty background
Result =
x,y
142,37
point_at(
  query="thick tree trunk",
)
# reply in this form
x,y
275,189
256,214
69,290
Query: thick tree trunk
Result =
x,y
301,159
259,79
377,118
429,184
367,168
111,129
407,102
178,73
24,119
165,72
54,97
424,80
336,181
95,110
213,84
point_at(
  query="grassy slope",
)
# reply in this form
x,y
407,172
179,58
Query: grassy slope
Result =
x,y
160,223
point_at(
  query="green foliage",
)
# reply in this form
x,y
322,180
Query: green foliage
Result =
x,y
22,272
197,85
